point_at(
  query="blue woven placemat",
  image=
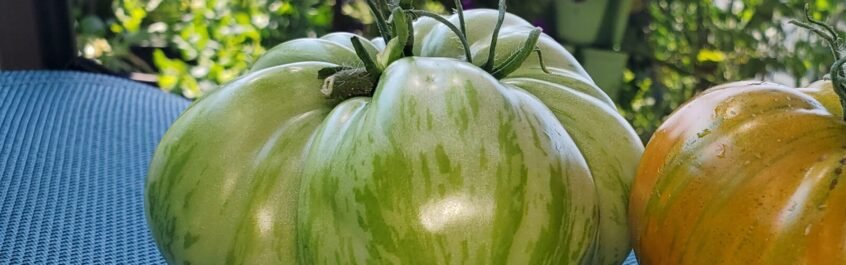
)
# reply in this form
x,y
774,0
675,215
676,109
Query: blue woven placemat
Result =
x,y
74,150
631,260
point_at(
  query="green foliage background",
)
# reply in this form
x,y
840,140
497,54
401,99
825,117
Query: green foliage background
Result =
x,y
680,47
196,45
677,47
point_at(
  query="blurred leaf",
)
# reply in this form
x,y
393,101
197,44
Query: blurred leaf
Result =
x,y
435,7
200,44
92,25
628,76
170,70
677,47
822,5
706,55
687,46
116,28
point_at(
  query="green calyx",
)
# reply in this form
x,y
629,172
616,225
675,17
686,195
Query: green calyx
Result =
x,y
395,24
836,44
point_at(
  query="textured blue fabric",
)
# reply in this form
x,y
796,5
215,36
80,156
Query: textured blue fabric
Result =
x,y
74,150
631,260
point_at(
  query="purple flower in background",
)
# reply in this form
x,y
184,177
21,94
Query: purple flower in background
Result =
x,y
468,4
540,22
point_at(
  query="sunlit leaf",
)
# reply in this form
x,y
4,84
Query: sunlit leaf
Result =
x,y
628,76
116,28
706,55
822,5
286,8
189,86
435,7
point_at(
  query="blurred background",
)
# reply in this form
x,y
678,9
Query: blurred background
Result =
x,y
649,55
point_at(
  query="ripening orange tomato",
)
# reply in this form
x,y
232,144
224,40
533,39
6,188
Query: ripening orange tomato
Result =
x,y
745,173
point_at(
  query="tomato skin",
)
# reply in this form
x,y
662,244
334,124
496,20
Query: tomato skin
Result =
x,y
445,164
745,173
823,91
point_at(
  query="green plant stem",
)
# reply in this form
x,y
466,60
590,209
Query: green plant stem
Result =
x,y
381,23
489,65
403,28
822,34
540,61
452,27
384,7
409,46
395,49
830,29
348,84
341,83
364,56
329,71
460,11
837,79
516,60
834,40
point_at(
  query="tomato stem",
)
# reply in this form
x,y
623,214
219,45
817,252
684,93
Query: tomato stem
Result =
x,y
489,65
381,24
827,33
540,61
346,84
451,26
515,60
341,83
822,35
460,11
364,56
833,33
835,43
395,49
403,29
409,46
329,71
837,78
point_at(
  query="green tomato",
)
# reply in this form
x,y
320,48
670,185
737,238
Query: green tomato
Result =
x,y
444,164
